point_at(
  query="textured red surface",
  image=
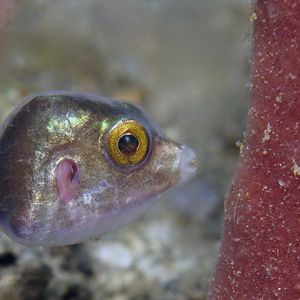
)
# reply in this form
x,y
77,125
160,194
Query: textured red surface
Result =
x,y
260,253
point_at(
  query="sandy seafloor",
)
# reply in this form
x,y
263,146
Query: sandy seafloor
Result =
x,y
187,63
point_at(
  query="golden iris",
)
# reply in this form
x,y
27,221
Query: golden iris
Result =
x,y
128,143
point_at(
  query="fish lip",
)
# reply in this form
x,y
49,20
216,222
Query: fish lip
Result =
x,y
188,164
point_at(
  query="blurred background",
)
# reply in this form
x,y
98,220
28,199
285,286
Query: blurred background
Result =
x,y
185,62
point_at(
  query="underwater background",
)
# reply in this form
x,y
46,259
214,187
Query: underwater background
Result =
x,y
187,64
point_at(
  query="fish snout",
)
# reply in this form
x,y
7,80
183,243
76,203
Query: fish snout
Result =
x,y
188,164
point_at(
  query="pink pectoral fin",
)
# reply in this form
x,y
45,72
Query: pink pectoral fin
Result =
x,y
67,180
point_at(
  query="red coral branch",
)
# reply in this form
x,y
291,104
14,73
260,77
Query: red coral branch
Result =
x,y
260,253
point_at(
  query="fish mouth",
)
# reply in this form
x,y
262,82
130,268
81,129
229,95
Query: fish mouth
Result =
x,y
188,164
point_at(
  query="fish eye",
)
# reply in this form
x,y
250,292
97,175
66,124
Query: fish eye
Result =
x,y
128,143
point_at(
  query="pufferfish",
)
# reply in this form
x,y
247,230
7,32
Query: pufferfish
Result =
x,y
76,166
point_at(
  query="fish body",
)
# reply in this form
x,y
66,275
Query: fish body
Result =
x,y
76,166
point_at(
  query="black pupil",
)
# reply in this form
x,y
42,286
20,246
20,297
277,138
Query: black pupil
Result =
x,y
128,144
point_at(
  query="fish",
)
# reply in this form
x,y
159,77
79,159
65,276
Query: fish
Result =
x,y
75,166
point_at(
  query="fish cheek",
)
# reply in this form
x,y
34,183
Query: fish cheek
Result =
x,y
164,166
67,180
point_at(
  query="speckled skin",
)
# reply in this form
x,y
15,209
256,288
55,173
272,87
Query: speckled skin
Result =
x,y
54,126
